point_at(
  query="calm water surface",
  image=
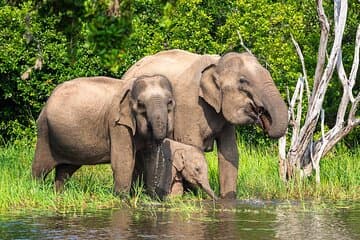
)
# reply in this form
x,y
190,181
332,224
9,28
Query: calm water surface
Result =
x,y
225,220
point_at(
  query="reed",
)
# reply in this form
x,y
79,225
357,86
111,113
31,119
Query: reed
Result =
x,y
91,187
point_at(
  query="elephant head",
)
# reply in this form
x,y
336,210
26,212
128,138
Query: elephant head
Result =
x,y
147,107
151,104
191,164
244,92
174,158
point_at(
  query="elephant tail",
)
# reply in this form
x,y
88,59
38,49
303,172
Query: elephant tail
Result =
x,y
43,161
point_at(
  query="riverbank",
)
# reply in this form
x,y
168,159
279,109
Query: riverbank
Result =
x,y
91,186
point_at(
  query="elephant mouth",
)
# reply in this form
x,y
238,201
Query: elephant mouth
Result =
x,y
265,121
261,117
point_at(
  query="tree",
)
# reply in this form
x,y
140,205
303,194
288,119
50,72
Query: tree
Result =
x,y
305,152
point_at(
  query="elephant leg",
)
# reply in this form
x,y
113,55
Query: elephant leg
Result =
x,y
177,188
43,161
228,162
138,168
122,158
62,173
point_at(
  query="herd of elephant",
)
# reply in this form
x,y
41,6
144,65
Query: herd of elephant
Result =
x,y
157,121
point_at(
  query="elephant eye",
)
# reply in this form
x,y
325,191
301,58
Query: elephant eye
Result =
x,y
141,106
170,104
197,169
243,81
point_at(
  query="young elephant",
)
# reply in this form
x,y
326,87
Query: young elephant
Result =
x,y
189,163
98,120
181,161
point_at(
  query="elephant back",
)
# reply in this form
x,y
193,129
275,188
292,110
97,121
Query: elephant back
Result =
x,y
182,68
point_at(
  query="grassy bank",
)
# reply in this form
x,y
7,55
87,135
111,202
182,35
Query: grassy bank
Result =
x,y
91,186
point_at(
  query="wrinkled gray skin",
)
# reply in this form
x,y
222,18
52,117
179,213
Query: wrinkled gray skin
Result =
x,y
213,94
101,120
189,163
164,169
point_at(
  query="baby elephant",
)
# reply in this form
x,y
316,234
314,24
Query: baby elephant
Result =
x,y
101,120
189,163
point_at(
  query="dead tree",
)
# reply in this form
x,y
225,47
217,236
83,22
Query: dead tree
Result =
x,y
304,152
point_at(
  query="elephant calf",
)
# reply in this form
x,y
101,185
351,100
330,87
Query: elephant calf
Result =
x,y
179,162
98,120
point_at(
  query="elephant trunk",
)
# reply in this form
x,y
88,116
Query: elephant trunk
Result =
x,y
275,119
157,172
206,187
158,119
163,174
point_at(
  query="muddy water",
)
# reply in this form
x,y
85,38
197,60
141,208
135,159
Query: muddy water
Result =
x,y
225,220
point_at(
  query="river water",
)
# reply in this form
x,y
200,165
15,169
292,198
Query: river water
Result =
x,y
224,220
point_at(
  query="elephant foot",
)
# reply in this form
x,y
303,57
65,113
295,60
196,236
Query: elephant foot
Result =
x,y
229,195
123,195
177,189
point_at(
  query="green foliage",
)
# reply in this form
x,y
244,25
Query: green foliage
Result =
x,y
27,38
86,37
266,29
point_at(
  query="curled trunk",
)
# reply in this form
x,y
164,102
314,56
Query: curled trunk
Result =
x,y
275,119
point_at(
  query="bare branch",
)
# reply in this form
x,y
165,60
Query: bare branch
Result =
x,y
342,74
304,154
304,140
355,64
288,95
301,56
346,92
299,106
297,96
322,123
320,90
242,42
353,121
282,158
293,99
324,36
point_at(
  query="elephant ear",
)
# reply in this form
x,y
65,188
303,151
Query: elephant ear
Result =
x,y
124,114
209,87
179,159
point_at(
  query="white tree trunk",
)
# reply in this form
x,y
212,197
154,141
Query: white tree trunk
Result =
x,y
304,153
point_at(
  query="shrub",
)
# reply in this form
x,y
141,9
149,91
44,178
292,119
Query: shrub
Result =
x,y
82,38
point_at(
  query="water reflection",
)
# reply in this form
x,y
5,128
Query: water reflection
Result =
x,y
317,222
227,220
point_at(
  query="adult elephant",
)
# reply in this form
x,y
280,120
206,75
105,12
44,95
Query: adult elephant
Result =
x,y
213,94
97,120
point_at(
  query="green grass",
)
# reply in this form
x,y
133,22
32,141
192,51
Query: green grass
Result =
x,y
258,176
91,186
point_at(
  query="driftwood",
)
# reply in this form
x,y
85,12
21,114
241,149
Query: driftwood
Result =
x,y
304,152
